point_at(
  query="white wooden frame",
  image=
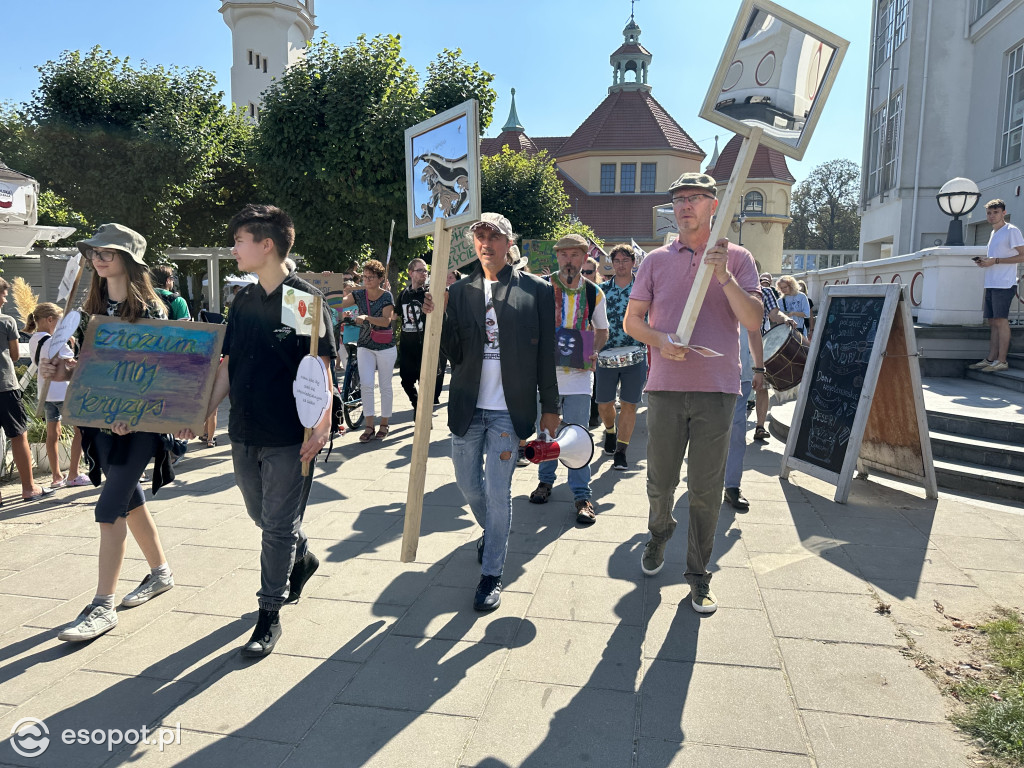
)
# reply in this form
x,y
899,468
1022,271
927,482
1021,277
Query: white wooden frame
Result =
x,y
840,45
469,110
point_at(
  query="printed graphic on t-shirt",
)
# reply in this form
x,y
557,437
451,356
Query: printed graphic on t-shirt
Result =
x,y
491,348
412,317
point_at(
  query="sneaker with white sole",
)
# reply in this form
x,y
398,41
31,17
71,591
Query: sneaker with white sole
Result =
x,y
995,367
150,587
653,558
980,364
702,598
92,622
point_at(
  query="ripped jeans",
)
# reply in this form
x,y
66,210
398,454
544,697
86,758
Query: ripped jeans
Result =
x,y
488,493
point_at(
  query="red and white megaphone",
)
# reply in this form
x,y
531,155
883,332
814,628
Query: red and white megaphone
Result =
x,y
573,446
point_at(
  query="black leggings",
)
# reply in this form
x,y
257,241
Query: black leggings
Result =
x,y
122,491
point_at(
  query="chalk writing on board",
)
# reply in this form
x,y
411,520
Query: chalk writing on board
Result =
x,y
837,379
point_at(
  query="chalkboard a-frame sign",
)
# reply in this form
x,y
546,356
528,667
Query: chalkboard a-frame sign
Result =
x,y
860,403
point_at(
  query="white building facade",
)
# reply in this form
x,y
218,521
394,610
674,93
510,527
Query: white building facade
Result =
x,y
945,98
267,36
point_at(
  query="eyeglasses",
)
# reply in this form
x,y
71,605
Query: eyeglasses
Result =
x,y
587,271
689,199
622,261
95,255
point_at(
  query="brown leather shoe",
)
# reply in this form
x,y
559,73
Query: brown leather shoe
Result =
x,y
585,514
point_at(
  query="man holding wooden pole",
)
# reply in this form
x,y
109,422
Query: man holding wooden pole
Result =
x,y
690,395
499,335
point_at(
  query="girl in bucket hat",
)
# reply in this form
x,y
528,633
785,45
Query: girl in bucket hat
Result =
x,y
120,287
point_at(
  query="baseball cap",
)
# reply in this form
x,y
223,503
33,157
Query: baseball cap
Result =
x,y
694,180
496,222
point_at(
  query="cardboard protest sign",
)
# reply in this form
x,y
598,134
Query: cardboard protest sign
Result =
x,y
297,312
462,253
155,375
540,254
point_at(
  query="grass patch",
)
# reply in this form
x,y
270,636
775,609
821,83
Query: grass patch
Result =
x,y
994,702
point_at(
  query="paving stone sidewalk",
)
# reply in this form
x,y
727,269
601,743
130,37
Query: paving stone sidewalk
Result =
x,y
586,662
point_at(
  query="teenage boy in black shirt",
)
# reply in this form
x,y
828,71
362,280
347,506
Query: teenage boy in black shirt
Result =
x,y
261,358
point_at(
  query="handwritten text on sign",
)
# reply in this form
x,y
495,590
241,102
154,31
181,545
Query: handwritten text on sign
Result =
x,y
155,375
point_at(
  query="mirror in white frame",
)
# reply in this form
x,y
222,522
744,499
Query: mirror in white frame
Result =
x,y
776,73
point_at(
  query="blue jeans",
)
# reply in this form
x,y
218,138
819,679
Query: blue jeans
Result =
x,y
275,495
575,410
737,439
489,494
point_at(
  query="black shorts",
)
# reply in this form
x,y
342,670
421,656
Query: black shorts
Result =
x,y
122,460
13,418
997,302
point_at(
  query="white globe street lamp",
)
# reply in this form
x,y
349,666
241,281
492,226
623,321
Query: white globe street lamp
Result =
x,y
957,197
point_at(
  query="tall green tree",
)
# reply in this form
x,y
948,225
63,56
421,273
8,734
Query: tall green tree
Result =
x,y
149,147
526,189
331,142
824,209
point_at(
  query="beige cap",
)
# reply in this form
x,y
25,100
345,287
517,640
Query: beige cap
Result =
x,y
573,241
496,222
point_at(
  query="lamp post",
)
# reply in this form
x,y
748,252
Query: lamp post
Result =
x,y
742,217
957,197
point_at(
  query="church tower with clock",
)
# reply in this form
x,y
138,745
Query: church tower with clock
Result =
x,y
267,36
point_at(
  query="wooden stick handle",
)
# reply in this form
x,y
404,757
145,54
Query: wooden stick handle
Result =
x,y
428,383
314,337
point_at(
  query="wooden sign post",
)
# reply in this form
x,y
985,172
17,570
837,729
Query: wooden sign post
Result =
x,y
861,403
443,197
428,383
723,220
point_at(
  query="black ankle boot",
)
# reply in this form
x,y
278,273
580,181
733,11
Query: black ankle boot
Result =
x,y
268,631
302,571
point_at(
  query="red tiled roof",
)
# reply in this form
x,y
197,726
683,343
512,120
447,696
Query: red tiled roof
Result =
x,y
630,120
516,140
520,142
615,218
767,164
631,48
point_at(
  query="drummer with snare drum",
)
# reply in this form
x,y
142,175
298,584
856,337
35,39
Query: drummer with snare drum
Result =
x,y
622,364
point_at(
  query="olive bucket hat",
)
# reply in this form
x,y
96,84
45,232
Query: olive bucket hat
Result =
x,y
118,237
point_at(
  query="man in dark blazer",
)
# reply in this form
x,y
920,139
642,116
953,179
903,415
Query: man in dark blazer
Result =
x,y
499,335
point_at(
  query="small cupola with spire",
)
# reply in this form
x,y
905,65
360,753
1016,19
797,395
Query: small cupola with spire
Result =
x,y
630,61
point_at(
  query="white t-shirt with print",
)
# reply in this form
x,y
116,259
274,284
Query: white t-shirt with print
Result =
x,y
491,396
572,381
1003,244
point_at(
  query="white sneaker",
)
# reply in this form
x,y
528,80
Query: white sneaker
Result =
x,y
149,588
979,365
92,622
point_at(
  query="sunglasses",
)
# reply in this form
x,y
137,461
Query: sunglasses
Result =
x,y
587,271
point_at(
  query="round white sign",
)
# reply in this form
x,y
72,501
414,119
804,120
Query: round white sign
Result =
x,y
312,398
65,330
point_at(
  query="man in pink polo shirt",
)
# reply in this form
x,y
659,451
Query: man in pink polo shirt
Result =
x,y
691,397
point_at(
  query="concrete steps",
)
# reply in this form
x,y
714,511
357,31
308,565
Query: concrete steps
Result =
x,y
1012,379
976,427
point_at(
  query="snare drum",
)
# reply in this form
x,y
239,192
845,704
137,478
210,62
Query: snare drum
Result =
x,y
785,354
620,357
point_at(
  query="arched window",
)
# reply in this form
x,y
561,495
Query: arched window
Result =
x,y
753,202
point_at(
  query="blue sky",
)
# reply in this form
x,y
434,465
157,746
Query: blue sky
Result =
x,y
555,54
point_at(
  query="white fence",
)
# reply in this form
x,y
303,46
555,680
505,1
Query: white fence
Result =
x,y
946,287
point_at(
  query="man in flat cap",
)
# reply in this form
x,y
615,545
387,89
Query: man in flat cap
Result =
x,y
579,309
499,335
691,397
